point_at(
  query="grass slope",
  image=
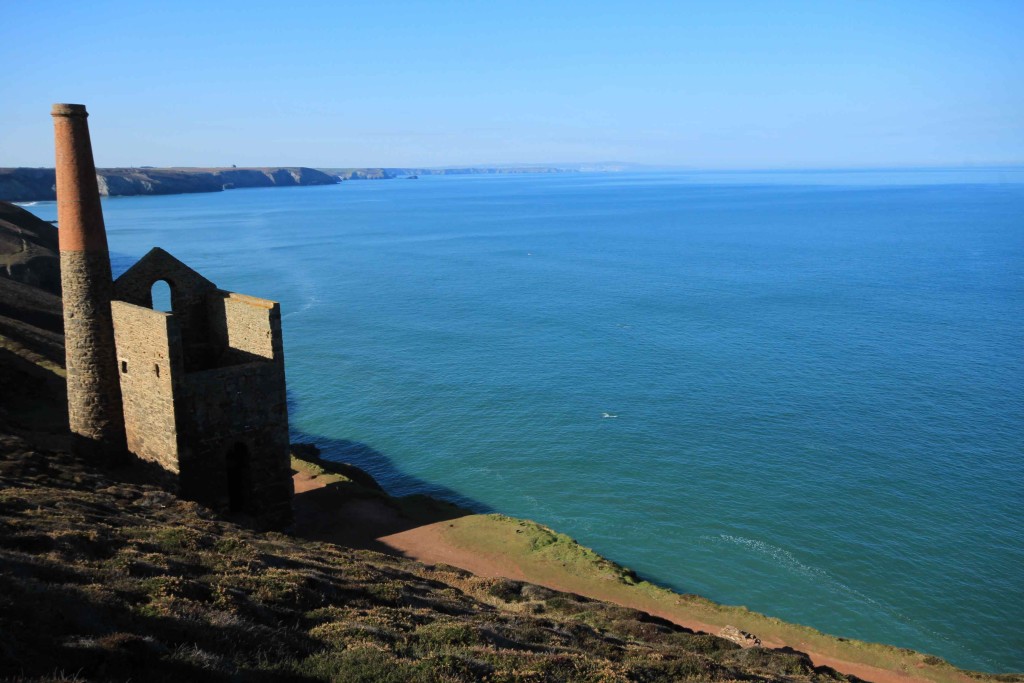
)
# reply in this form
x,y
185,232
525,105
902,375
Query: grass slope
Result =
x,y
104,578
543,556
548,557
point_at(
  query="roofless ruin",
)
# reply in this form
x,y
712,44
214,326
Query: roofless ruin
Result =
x,y
199,391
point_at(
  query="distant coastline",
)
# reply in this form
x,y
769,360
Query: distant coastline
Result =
x,y
37,184
26,184
388,173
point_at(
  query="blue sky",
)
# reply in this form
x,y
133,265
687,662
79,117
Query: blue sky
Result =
x,y
752,84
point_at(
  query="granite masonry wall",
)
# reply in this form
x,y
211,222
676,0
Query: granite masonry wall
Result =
x,y
250,326
239,411
149,362
189,301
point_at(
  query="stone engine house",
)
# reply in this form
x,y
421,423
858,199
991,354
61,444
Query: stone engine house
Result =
x,y
203,387
199,391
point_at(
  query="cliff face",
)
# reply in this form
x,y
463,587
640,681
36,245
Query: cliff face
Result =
x,y
34,184
27,184
133,181
358,173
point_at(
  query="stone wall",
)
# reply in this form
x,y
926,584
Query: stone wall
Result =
x,y
245,325
189,292
150,367
231,406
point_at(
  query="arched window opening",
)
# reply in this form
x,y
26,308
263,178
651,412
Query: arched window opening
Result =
x,y
162,296
239,479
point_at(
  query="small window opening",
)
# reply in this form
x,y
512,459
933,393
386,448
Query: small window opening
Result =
x,y
156,369
124,367
161,294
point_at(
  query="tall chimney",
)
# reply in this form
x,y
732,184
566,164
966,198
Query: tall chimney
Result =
x,y
94,390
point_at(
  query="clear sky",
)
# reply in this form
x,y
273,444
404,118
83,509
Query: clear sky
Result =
x,y
715,84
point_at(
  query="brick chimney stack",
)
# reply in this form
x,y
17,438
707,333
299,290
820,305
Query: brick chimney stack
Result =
x,y
94,391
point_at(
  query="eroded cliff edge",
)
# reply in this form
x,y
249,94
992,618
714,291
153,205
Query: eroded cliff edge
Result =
x,y
37,184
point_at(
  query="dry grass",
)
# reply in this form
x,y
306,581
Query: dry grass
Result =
x,y
105,579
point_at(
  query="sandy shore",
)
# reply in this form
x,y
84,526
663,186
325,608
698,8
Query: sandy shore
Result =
x,y
377,524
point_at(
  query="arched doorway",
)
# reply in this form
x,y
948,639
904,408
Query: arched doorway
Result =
x,y
239,472
161,296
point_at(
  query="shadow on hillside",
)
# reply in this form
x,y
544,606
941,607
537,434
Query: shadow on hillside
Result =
x,y
357,516
379,465
33,399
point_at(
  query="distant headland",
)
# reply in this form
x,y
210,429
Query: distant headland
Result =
x,y
37,184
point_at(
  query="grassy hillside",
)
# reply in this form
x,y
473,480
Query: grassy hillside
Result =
x,y
106,578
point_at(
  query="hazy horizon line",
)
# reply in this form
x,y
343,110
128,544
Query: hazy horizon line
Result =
x,y
600,166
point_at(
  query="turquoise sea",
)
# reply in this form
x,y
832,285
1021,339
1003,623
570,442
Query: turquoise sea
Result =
x,y
799,392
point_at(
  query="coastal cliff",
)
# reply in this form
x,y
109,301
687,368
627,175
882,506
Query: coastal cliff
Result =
x,y
389,173
103,574
37,184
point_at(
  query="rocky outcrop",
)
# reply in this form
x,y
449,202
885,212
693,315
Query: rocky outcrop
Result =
x,y
35,184
28,249
741,638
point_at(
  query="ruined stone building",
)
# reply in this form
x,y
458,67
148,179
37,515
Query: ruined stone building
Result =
x,y
200,390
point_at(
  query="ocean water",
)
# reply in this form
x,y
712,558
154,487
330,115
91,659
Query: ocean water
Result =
x,y
799,392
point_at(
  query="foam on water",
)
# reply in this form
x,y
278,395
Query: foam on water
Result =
x,y
788,562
